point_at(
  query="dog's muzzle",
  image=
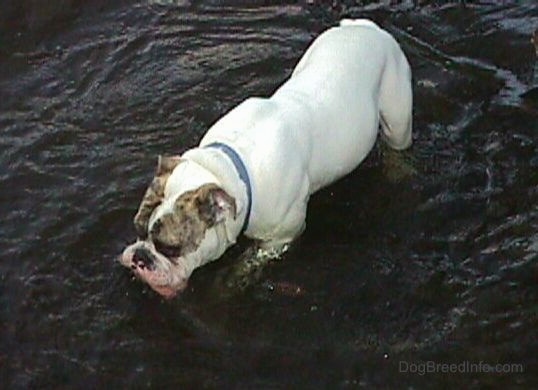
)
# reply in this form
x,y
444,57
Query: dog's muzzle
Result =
x,y
143,258
161,274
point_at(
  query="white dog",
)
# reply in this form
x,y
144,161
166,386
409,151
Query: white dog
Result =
x,y
257,166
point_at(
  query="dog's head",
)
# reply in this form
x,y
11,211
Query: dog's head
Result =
x,y
176,231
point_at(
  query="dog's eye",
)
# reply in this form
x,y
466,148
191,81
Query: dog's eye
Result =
x,y
167,250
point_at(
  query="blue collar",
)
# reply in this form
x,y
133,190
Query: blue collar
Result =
x,y
241,171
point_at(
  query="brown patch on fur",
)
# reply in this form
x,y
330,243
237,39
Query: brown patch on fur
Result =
x,y
154,194
213,202
194,212
166,164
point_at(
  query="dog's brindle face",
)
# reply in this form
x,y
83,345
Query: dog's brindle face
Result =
x,y
172,228
180,229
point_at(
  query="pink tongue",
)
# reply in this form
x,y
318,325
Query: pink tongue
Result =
x,y
165,291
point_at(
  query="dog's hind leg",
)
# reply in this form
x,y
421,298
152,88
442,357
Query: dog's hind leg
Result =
x,y
396,101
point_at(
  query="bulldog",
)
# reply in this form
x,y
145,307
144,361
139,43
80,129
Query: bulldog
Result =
x,y
256,167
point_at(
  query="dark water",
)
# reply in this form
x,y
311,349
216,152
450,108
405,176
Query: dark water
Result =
x,y
437,266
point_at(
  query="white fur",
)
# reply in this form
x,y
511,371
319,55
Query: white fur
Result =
x,y
318,126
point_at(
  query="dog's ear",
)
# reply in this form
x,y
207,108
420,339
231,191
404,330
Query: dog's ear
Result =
x,y
214,203
154,194
166,164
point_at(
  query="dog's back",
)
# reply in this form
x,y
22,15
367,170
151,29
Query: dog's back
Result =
x,y
349,77
321,123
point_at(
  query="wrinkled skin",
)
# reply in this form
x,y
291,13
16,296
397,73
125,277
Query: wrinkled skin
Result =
x,y
165,275
171,231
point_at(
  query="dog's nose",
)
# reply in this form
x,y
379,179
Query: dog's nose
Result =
x,y
143,258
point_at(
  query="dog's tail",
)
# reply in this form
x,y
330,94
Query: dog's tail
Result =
x,y
357,22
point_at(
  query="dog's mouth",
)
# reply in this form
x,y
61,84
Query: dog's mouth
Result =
x,y
159,282
165,276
